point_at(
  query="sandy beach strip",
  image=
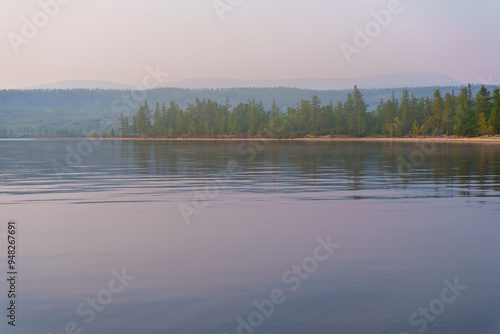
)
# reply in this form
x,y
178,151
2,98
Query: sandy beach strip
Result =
x,y
442,139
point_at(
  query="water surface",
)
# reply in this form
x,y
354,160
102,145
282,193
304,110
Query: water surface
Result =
x,y
407,218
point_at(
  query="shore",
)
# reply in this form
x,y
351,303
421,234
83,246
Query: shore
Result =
x,y
442,139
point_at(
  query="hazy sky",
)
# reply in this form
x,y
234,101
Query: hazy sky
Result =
x,y
115,40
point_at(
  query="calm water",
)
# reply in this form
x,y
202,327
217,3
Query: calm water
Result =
x,y
209,228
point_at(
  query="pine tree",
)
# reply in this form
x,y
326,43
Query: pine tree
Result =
x,y
252,118
449,112
494,120
157,120
415,130
426,126
482,124
350,115
315,110
463,122
483,110
274,122
437,111
122,126
388,116
163,120
149,126
338,114
406,114
360,112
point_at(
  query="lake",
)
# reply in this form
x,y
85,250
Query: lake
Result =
x,y
251,237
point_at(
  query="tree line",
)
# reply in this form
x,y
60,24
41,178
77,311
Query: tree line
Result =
x,y
465,114
79,112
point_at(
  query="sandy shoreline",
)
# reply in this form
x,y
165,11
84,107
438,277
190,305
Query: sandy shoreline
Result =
x,y
485,139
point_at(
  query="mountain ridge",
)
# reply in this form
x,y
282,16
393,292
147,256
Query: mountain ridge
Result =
x,y
401,80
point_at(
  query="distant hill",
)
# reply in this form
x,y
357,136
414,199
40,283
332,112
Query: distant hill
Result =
x,y
373,82
81,84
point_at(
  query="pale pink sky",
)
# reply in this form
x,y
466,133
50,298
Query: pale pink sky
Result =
x,y
115,40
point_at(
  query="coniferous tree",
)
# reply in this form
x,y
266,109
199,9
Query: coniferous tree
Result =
x,y
449,113
315,111
482,110
494,120
340,122
406,114
360,112
157,120
437,111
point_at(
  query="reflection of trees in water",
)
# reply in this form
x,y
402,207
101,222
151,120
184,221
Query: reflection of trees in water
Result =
x,y
451,170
